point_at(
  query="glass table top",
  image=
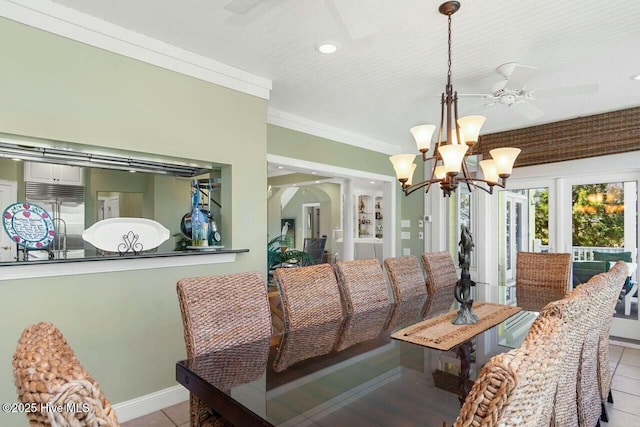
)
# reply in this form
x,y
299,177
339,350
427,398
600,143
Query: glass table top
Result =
x,y
349,373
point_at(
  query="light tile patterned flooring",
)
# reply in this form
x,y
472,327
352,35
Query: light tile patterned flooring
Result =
x,y
624,412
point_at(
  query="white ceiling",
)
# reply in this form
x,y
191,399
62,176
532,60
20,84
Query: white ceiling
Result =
x,y
380,85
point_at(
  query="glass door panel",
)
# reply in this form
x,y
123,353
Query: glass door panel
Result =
x,y
604,228
523,227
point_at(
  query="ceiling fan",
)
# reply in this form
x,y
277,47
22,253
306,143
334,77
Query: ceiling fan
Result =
x,y
352,14
513,91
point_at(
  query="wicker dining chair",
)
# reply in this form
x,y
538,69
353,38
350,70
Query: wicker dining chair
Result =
x,y
440,270
363,326
232,366
603,291
302,344
518,387
405,277
362,284
576,311
219,312
406,313
602,298
46,371
441,281
541,278
615,279
309,295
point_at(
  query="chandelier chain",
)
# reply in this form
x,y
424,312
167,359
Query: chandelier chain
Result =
x,y
449,53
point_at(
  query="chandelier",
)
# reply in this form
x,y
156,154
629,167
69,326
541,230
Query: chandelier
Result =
x,y
451,154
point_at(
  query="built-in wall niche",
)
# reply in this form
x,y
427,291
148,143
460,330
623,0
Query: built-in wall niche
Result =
x,y
87,184
369,216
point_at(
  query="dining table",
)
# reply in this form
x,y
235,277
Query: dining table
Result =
x,y
404,364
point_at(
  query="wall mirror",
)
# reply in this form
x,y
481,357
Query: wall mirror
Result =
x,y
79,185
115,204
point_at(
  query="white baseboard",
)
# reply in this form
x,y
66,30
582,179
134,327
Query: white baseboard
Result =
x,y
149,403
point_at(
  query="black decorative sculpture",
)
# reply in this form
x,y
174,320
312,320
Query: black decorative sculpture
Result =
x,y
462,291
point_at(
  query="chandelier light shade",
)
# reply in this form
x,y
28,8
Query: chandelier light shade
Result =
x,y
456,140
422,134
402,165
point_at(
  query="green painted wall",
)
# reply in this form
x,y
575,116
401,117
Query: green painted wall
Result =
x,y
291,143
412,208
9,169
125,326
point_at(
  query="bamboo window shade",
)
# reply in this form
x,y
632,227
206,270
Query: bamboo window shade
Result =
x,y
598,135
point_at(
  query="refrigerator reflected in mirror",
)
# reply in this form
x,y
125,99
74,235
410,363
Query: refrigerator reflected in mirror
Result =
x,y
65,204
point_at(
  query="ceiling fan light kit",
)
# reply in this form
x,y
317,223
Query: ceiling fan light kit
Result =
x,y
512,91
456,139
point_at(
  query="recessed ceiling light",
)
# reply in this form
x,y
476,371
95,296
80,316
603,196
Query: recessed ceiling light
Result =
x,y
317,182
313,173
327,47
373,182
16,160
636,77
280,167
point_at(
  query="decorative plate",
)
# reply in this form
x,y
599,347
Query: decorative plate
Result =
x,y
28,225
126,234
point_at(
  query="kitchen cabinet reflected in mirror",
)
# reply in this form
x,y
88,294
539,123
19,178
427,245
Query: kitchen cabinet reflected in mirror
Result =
x,y
119,205
78,194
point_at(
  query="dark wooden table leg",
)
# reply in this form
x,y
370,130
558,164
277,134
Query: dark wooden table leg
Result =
x,y
464,354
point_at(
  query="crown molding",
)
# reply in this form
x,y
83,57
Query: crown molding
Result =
x,y
301,124
60,20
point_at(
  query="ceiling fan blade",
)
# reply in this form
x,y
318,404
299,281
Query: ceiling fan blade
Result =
x,y
242,6
527,110
355,17
565,91
520,77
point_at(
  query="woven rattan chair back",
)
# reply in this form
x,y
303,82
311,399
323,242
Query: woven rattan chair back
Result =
x,y
310,295
541,278
440,271
575,311
230,367
406,313
519,385
602,291
46,371
302,344
363,285
438,303
615,280
220,312
405,277
588,391
363,326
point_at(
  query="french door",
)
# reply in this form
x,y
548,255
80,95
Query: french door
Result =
x,y
523,226
599,225
578,207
